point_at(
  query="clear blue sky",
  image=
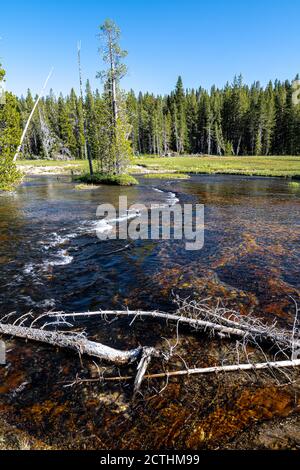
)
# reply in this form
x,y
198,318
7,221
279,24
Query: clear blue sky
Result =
x,y
207,42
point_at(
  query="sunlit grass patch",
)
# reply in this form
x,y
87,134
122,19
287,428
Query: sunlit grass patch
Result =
x,y
99,178
294,185
167,176
285,166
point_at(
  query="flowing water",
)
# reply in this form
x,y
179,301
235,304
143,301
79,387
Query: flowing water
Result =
x,y
51,258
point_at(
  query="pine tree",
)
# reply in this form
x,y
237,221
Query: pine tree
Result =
x,y
65,125
119,145
235,120
91,123
76,144
133,118
167,131
191,121
217,103
235,111
179,116
279,142
10,133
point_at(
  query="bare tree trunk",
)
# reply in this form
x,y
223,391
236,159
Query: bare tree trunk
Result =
x,y
72,341
209,139
219,140
230,328
83,346
87,153
114,101
217,369
166,150
176,132
238,146
48,139
139,139
31,116
113,83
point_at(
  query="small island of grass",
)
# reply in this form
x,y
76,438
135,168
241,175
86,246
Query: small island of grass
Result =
x,y
99,178
294,185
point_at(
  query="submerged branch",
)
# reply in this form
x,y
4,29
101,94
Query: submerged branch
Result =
x,y
215,370
251,331
75,342
198,315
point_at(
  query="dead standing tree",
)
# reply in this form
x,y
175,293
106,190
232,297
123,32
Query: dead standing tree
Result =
x,y
31,116
87,151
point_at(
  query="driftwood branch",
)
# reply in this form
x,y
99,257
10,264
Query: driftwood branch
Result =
x,y
75,342
251,331
215,370
295,333
80,344
198,315
148,353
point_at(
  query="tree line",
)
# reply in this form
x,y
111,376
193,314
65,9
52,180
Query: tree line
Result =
x,y
107,127
236,120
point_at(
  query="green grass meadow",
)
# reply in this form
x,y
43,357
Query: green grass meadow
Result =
x,y
285,166
256,166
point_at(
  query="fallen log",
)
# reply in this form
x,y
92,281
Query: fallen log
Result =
x,y
215,370
279,338
75,342
216,321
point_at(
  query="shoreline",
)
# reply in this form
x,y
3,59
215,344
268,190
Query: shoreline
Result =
x,y
266,167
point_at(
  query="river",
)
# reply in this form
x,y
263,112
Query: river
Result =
x,y
51,258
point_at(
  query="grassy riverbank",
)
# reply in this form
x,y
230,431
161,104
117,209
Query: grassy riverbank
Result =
x,y
288,166
52,167
252,166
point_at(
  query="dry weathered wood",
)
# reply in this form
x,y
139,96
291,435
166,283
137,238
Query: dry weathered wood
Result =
x,y
277,337
148,353
216,321
232,368
87,152
215,370
74,342
31,116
